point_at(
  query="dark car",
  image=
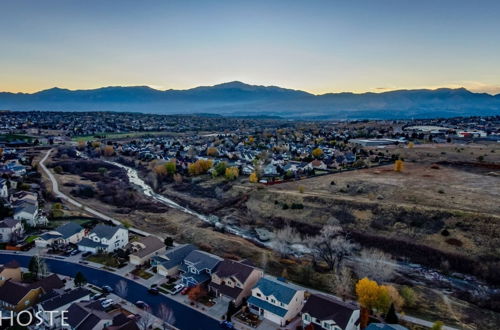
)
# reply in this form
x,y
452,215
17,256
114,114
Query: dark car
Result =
x,y
107,289
141,304
154,291
86,254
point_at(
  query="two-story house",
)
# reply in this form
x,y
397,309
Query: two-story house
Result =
x,y
168,263
234,280
324,312
145,248
10,271
198,267
275,300
64,234
104,238
59,302
11,230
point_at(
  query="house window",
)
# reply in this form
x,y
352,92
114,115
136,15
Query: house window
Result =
x,y
258,295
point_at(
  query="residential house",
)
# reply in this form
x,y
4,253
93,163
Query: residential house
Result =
x,y
104,238
383,326
11,230
331,314
198,267
16,296
316,165
122,322
168,264
10,271
144,249
4,189
275,300
26,211
59,301
88,315
234,280
70,232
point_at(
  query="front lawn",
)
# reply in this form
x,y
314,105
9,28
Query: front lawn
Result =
x,y
104,259
142,273
30,239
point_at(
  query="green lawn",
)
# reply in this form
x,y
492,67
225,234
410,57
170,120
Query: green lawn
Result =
x,y
86,138
104,259
31,238
142,273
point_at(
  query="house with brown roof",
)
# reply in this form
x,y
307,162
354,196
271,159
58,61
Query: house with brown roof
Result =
x,y
324,312
10,271
234,280
144,249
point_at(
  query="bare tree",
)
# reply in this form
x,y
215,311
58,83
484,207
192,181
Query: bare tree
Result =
x,y
166,315
342,282
284,238
375,265
121,288
331,245
146,320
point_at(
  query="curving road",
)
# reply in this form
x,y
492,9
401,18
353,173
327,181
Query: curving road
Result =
x,y
186,317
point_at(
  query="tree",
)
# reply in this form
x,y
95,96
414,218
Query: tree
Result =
x,y
408,295
169,241
196,292
342,282
146,320
331,246
121,288
396,299
284,238
38,267
372,296
231,310
108,151
166,315
232,173
58,169
160,170
375,264
212,151
398,165
80,279
391,317
201,166
253,178
438,325
317,153
171,167
220,168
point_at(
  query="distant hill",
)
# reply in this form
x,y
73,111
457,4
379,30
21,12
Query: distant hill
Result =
x,y
240,99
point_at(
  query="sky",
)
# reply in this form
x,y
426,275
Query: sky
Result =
x,y
316,46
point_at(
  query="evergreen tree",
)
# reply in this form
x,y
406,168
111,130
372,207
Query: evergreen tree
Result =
x,y
391,317
80,280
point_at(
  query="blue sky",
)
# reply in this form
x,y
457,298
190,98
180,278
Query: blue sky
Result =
x,y
318,46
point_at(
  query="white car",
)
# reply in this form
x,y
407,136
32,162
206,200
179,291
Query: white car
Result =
x,y
107,303
176,289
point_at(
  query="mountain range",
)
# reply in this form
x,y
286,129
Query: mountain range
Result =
x,y
240,99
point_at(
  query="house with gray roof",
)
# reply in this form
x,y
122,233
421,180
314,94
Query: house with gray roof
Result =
x,y
145,248
11,230
70,232
168,263
276,300
104,238
197,267
59,301
88,315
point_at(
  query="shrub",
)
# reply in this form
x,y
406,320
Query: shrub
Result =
x,y
454,241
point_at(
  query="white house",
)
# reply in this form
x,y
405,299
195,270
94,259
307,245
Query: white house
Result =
x,y
275,300
4,190
104,238
325,312
27,211
11,230
68,233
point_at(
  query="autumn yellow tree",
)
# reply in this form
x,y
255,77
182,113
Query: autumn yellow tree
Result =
x,y
96,144
398,165
160,170
251,139
81,145
395,297
212,151
253,178
316,153
232,173
171,167
201,166
372,296
108,151
410,145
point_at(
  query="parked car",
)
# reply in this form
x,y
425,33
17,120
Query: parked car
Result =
x,y
107,303
154,291
141,304
226,325
74,252
176,289
107,289
86,254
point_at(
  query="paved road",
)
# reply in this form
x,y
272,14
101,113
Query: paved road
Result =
x,y
186,318
58,193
